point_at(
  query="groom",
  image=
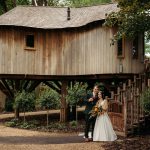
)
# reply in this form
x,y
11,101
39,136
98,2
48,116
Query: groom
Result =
x,y
90,101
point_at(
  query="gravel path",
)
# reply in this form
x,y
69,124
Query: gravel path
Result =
x,y
18,139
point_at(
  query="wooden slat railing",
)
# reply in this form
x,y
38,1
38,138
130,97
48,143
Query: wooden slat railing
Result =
x,y
125,110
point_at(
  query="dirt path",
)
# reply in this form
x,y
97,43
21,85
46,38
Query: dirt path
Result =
x,y
18,139
11,115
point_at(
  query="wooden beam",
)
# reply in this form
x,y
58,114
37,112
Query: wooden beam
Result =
x,y
4,90
12,84
17,85
7,87
26,84
53,87
58,84
100,77
34,85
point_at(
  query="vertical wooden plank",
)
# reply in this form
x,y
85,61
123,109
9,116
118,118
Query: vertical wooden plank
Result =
x,y
63,110
125,116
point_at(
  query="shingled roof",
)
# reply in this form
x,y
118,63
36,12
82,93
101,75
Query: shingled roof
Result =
x,y
54,18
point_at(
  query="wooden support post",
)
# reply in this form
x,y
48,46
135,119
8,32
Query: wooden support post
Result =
x,y
124,86
125,116
129,82
63,110
134,78
148,82
17,113
112,95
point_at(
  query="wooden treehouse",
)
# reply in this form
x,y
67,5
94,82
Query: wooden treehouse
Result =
x,y
64,44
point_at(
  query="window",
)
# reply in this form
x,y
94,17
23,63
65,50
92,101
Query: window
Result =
x,y
135,48
30,42
120,48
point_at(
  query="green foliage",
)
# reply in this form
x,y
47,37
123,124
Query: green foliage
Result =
x,y
26,125
21,124
76,93
53,3
59,126
147,47
12,123
9,4
8,105
24,101
145,100
147,44
73,123
132,19
80,3
49,99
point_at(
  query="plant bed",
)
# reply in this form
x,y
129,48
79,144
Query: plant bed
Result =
x,y
39,123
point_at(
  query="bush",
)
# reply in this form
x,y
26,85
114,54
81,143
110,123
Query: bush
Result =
x,y
9,105
12,123
73,123
26,125
145,100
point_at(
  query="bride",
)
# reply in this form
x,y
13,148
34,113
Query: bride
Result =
x,y
103,130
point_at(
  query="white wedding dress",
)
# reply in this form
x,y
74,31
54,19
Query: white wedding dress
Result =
x,y
103,130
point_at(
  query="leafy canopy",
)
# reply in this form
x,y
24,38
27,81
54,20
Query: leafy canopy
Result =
x,y
145,100
24,101
76,93
49,99
80,3
132,19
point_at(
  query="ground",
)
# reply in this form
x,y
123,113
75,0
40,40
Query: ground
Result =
x,y
20,139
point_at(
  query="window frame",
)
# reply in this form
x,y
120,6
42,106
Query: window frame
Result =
x,y
25,42
136,45
123,48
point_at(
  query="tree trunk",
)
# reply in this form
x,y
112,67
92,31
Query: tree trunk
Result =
x,y
24,119
47,117
63,110
17,113
76,113
34,2
14,3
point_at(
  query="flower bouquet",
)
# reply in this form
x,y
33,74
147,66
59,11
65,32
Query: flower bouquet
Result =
x,y
95,111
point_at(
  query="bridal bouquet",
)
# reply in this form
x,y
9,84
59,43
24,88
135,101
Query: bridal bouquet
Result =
x,y
95,111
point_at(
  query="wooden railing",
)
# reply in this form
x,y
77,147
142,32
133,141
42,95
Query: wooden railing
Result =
x,y
125,110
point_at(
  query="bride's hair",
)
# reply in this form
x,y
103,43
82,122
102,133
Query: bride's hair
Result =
x,y
102,94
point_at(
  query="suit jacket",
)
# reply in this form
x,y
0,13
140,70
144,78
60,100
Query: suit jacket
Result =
x,y
89,105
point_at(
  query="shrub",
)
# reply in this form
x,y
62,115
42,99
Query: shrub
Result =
x,y
145,100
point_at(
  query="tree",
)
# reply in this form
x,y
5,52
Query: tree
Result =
x,y
132,19
76,94
6,5
80,3
48,99
24,101
145,100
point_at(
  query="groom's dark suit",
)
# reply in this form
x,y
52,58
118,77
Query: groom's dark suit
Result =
x,y
88,108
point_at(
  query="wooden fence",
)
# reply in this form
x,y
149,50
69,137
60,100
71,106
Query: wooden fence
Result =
x,y
125,110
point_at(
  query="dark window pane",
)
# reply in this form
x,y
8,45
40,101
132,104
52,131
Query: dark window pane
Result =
x,y
120,50
135,48
30,41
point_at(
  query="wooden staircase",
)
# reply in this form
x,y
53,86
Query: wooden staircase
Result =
x,y
125,110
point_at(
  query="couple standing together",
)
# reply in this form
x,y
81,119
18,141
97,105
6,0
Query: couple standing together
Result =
x,y
102,129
